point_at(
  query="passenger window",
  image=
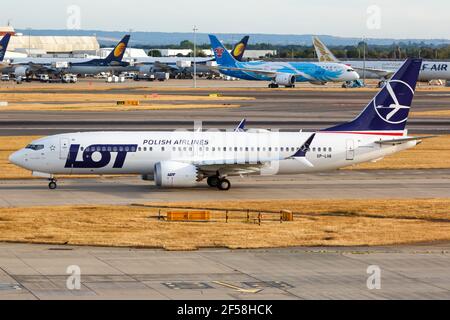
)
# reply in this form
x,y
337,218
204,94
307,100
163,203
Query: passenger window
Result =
x,y
109,149
82,149
114,149
163,149
330,150
319,149
145,148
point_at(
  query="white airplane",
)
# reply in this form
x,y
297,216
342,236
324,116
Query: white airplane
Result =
x,y
184,159
430,70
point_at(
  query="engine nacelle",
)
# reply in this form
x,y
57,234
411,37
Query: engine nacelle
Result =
x,y
285,79
171,174
22,72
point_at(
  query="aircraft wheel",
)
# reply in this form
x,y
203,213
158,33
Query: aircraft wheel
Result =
x,y
52,185
213,182
224,185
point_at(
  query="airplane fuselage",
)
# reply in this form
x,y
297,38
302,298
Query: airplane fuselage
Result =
x,y
138,152
303,71
430,70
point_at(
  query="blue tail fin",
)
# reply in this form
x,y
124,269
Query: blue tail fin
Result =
x,y
223,57
239,49
119,51
4,46
389,110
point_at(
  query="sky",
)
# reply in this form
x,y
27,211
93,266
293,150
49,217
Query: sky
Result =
x,y
348,18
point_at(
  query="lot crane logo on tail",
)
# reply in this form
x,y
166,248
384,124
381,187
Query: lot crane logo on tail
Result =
x,y
395,97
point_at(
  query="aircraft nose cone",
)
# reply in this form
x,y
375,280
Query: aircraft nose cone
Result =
x,y
16,158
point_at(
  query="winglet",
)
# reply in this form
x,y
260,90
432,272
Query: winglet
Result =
x,y
241,126
305,148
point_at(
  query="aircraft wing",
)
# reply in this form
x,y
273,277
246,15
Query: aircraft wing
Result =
x,y
403,140
236,167
37,68
380,72
165,67
268,73
231,169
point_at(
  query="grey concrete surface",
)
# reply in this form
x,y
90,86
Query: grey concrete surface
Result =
x,y
283,109
407,272
408,184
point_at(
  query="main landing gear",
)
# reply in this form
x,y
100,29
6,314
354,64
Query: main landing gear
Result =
x,y
220,183
52,184
274,85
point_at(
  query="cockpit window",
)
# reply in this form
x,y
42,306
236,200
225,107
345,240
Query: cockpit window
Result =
x,y
350,70
35,147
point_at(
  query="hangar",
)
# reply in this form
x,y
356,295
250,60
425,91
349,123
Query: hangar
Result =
x,y
51,45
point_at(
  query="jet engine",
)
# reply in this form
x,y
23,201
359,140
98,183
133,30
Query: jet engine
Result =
x,y
22,72
171,174
285,79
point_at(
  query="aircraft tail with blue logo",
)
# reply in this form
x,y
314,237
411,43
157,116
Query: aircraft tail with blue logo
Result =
x,y
119,51
388,112
223,57
4,46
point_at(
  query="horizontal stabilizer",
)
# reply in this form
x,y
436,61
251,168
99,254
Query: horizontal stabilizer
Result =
x,y
401,141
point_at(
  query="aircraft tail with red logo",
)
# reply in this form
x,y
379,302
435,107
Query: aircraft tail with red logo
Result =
x,y
223,57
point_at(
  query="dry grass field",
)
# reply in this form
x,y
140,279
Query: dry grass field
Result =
x,y
317,223
431,154
431,114
105,106
80,101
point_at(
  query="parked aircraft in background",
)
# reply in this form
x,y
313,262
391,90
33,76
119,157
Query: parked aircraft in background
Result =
x,y
280,73
184,159
150,65
430,70
26,67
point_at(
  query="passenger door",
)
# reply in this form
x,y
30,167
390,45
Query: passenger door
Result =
x,y
64,148
350,150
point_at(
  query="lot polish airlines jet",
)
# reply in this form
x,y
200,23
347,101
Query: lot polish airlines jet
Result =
x,y
184,159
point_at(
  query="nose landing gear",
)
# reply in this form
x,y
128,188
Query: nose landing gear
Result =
x,y
52,184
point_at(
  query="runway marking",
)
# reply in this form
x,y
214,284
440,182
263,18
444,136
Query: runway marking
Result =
x,y
242,290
